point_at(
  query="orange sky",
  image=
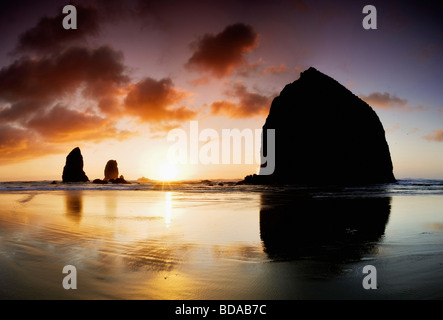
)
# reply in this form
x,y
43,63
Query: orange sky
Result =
x,y
131,72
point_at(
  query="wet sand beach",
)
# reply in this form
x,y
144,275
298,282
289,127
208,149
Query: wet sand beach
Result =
x,y
222,243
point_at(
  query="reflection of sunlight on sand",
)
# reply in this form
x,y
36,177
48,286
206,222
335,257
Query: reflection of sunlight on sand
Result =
x,y
153,245
202,245
168,208
170,286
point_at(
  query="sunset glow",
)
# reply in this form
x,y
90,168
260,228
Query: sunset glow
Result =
x,y
221,151
167,172
117,97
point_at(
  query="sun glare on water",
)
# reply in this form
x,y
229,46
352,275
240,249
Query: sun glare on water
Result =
x,y
167,172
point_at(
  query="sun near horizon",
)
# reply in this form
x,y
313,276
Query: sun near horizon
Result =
x,y
167,172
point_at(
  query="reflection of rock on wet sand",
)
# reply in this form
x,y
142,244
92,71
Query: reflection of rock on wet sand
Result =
x,y
74,205
338,229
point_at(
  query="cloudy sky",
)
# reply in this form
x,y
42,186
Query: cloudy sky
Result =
x,y
133,70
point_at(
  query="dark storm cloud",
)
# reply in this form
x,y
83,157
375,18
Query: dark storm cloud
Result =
x,y
31,90
61,124
220,54
155,100
49,35
29,84
18,144
61,72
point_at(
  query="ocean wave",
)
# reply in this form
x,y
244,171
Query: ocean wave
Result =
x,y
402,187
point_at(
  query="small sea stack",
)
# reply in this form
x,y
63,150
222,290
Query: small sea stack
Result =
x,y
111,170
111,174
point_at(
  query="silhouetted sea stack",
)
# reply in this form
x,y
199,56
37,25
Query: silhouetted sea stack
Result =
x,y
111,170
111,174
325,135
73,170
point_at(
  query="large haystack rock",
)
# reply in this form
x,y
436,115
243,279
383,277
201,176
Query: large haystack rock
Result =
x,y
324,135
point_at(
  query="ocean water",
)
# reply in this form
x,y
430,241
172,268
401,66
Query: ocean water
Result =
x,y
200,240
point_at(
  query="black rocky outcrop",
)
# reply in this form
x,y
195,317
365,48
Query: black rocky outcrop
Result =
x,y
99,181
111,170
73,170
324,135
111,174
